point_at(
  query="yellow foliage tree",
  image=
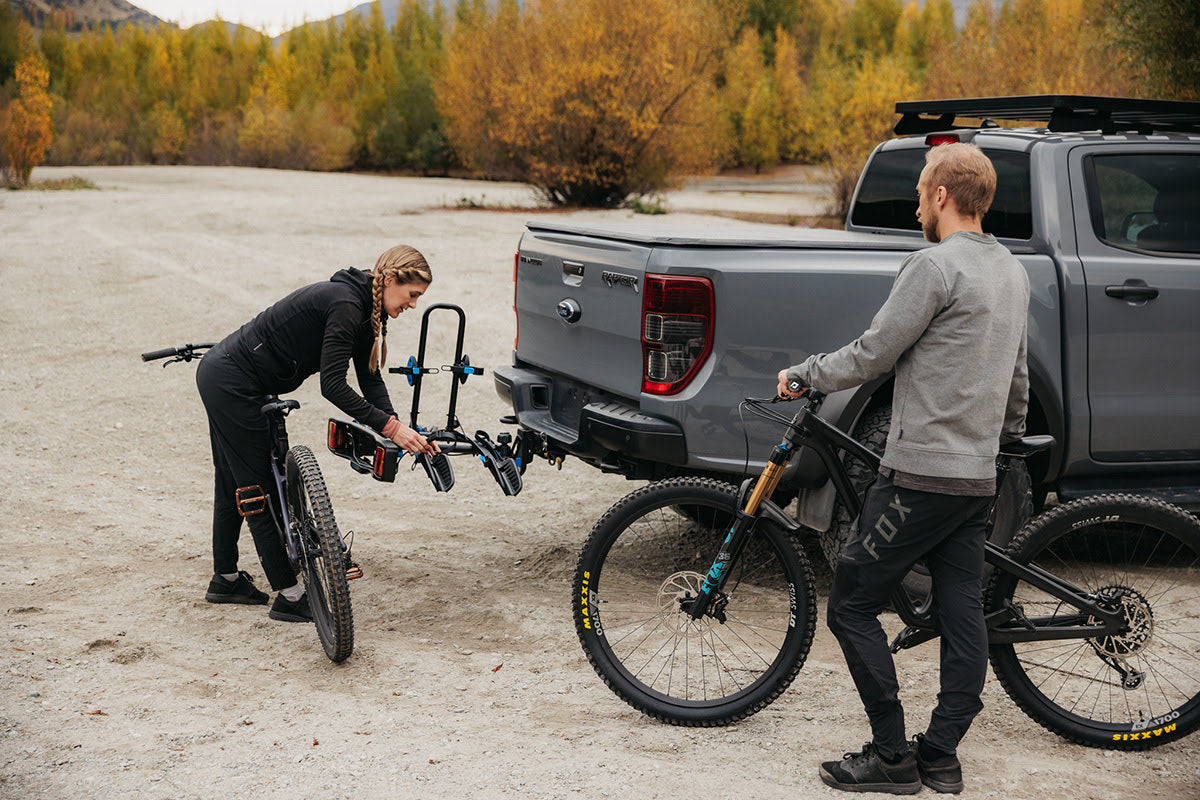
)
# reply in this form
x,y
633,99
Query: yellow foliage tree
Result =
x,y
600,100
30,128
853,109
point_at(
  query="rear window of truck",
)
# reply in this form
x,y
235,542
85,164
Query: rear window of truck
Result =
x,y
888,195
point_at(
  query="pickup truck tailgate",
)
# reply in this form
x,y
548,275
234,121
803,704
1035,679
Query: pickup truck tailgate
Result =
x,y
579,308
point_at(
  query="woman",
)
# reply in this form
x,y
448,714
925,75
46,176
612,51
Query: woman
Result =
x,y
319,328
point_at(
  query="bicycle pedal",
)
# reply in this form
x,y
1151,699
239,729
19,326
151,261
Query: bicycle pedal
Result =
x,y
250,500
353,571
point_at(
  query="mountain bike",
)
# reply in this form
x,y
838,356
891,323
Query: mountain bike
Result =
x,y
1092,609
298,504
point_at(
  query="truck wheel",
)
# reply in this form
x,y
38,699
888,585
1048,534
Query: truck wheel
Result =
x,y
1014,504
871,431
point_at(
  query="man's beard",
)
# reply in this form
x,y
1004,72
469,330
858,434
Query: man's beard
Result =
x,y
929,226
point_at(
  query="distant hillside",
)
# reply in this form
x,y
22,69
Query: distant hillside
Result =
x,y
80,13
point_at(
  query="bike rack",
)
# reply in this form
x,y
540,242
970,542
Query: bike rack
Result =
x,y
505,458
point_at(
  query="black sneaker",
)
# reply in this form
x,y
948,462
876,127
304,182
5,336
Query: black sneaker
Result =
x,y
868,772
286,610
241,591
942,774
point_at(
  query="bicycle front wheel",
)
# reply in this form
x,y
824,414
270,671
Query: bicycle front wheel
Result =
x,y
322,556
1130,691
648,554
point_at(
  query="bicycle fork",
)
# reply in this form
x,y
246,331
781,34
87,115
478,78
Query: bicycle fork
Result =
x,y
710,598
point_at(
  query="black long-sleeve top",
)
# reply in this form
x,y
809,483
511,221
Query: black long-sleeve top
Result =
x,y
319,328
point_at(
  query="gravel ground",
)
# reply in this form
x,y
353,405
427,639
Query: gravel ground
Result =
x,y
119,680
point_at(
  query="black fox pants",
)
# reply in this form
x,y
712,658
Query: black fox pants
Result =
x,y
897,528
241,448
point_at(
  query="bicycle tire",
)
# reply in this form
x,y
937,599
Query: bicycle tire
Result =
x,y
322,557
642,557
1144,554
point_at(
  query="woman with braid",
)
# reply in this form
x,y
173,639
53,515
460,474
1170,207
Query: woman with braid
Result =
x,y
321,328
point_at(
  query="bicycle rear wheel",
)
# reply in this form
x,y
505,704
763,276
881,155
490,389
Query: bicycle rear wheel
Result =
x,y
322,556
651,551
1131,691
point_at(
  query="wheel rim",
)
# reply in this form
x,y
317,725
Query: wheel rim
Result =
x,y
657,645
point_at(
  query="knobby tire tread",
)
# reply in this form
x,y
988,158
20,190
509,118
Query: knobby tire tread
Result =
x,y
782,674
334,618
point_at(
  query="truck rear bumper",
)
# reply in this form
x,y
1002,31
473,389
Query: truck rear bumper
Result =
x,y
584,422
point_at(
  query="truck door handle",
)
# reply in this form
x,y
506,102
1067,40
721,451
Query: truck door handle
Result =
x,y
1132,290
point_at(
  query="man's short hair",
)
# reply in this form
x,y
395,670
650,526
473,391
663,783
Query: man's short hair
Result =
x,y
967,174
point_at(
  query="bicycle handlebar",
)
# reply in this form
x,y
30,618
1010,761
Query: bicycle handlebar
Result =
x,y
187,352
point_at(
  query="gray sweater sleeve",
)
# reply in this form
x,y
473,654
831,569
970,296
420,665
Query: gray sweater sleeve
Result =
x,y
918,294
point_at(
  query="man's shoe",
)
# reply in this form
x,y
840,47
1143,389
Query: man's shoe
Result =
x,y
868,772
942,774
286,610
241,591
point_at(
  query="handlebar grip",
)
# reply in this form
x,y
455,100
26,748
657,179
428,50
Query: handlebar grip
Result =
x,y
154,355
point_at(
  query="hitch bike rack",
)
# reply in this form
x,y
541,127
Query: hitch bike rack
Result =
x,y
368,452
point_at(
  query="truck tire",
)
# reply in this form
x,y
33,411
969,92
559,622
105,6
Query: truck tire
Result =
x,y
1014,504
871,431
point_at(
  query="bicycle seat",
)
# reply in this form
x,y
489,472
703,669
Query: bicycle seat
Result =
x,y
277,405
1027,446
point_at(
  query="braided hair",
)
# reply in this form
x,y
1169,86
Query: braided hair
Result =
x,y
407,266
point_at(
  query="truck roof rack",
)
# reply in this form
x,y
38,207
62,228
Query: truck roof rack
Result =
x,y
1062,113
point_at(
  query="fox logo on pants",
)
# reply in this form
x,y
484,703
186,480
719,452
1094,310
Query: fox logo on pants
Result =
x,y
885,528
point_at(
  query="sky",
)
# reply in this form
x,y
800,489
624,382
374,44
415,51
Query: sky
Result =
x,y
270,16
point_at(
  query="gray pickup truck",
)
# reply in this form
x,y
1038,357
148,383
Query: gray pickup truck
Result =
x,y
637,342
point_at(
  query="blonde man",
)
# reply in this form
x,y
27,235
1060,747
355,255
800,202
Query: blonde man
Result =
x,y
953,329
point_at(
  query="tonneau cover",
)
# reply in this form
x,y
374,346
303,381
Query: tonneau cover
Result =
x,y
752,236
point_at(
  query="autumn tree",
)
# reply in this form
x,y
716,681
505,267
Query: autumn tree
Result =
x,y
1161,38
600,100
29,129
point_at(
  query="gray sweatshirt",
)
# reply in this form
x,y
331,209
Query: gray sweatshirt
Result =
x,y
953,328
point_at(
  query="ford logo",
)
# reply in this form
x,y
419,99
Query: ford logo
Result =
x,y
569,311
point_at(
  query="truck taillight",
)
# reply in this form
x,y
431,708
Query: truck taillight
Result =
x,y
517,335
677,329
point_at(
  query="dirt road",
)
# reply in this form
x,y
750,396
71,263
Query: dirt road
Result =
x,y
117,679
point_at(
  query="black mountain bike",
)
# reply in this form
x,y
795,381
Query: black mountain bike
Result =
x,y
298,504
1093,609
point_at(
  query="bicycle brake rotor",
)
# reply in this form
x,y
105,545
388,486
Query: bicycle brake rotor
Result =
x,y
1139,623
672,594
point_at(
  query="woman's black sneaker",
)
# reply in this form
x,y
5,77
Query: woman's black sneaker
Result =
x,y
868,772
241,591
942,774
286,610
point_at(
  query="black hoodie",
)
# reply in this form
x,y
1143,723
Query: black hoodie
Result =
x,y
319,328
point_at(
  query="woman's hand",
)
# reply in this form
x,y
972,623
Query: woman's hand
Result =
x,y
413,442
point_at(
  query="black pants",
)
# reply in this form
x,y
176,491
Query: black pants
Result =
x,y
241,448
897,528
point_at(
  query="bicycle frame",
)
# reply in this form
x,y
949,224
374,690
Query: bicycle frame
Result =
x,y
1005,626
279,448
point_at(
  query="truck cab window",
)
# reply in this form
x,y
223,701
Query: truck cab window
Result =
x,y
888,195
1146,202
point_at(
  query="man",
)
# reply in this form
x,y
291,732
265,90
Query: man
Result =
x,y
953,328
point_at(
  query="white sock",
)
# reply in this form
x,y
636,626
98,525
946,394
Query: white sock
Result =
x,y
230,576
293,592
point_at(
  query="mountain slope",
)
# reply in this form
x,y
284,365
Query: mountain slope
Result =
x,y
83,12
